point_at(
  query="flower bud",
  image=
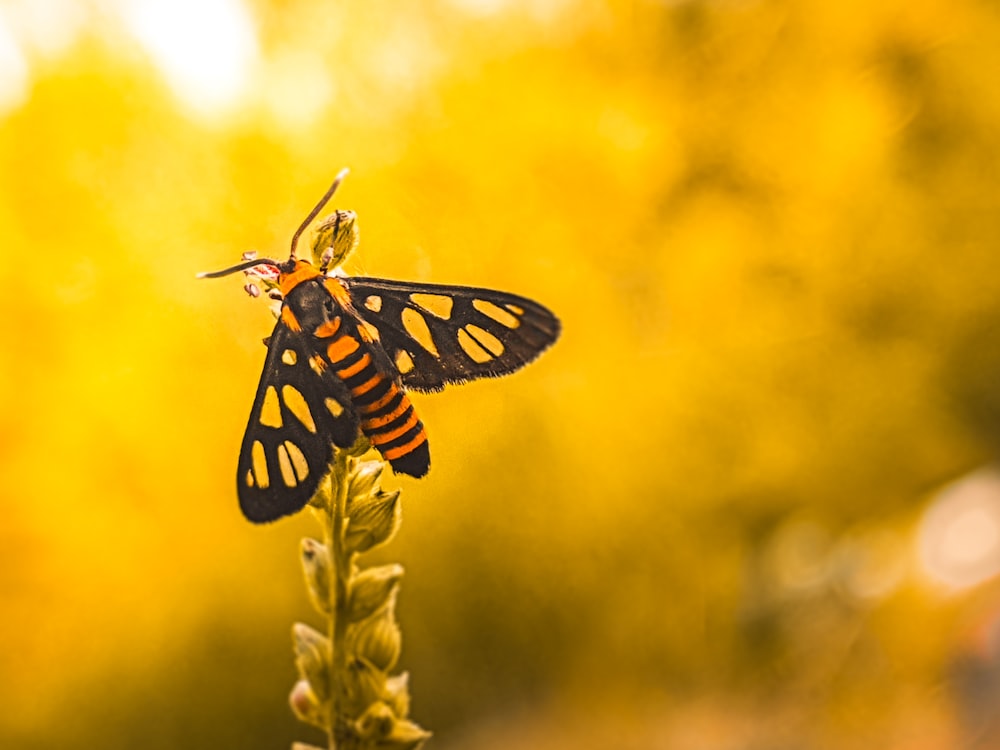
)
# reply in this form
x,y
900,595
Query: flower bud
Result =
x,y
335,238
371,589
376,722
312,658
405,735
316,566
305,706
362,482
397,694
364,685
373,522
378,639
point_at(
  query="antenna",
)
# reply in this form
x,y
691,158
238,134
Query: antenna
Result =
x,y
238,267
318,207
295,237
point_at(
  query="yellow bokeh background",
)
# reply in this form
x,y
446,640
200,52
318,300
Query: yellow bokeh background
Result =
x,y
746,501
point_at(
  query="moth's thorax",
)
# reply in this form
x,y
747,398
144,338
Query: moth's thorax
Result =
x,y
307,305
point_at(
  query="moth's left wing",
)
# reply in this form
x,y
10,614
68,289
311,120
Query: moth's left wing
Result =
x,y
438,334
300,412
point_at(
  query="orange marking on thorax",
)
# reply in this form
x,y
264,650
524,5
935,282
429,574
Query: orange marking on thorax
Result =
x,y
338,291
402,450
302,272
342,348
387,437
365,334
356,367
327,329
289,319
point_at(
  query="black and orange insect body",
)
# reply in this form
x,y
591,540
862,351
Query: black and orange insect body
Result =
x,y
320,307
343,353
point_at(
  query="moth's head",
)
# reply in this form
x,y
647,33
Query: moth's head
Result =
x,y
277,277
293,272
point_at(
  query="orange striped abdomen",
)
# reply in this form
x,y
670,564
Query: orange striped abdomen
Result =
x,y
385,412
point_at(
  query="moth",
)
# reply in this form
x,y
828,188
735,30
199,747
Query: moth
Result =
x,y
345,351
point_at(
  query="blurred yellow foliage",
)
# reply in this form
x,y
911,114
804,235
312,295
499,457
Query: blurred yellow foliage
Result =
x,y
770,230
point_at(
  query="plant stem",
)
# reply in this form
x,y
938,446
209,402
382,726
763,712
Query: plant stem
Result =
x,y
340,562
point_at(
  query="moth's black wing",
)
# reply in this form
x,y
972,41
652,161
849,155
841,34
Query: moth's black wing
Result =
x,y
438,334
299,413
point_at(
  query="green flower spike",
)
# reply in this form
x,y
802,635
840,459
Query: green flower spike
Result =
x,y
344,684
